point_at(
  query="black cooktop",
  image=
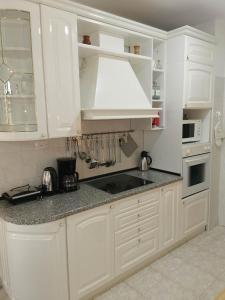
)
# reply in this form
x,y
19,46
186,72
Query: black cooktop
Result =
x,y
118,183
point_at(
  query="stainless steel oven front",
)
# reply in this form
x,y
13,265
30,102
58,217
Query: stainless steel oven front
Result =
x,y
196,174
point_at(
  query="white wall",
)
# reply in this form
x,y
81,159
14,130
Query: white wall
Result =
x,y
23,162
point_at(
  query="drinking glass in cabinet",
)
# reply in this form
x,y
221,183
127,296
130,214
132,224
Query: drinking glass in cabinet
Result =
x,y
3,113
15,30
27,84
22,111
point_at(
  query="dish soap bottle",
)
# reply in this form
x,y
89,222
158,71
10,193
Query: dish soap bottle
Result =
x,y
156,91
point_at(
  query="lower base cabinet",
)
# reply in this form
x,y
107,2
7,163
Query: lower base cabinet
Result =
x,y
169,205
90,251
71,258
195,212
37,258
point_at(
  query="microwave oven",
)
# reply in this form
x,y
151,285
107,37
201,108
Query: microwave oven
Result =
x,y
191,131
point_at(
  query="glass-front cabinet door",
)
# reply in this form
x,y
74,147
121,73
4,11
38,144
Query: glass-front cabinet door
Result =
x,y
22,98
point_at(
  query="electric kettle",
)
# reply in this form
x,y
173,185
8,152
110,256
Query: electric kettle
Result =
x,y
145,161
49,181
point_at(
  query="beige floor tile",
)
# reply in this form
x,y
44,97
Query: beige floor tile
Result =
x,y
186,252
209,263
213,290
121,291
168,264
168,290
144,280
192,278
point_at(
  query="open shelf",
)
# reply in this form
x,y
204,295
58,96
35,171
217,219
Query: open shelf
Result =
x,y
90,50
158,70
90,27
17,96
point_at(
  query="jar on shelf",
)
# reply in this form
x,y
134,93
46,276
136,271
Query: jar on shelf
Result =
x,y
156,91
86,40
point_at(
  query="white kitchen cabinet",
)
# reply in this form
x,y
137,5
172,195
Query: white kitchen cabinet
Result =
x,y
37,257
61,68
4,259
199,51
198,89
90,251
22,96
170,197
195,213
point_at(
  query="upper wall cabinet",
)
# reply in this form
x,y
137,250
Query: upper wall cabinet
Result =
x,y
61,72
22,97
198,85
199,51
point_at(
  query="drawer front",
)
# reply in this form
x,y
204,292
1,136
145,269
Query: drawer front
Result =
x,y
127,219
126,205
149,197
136,230
131,217
136,251
148,211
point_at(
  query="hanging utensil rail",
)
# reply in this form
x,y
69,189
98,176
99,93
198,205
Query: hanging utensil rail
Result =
x,y
109,132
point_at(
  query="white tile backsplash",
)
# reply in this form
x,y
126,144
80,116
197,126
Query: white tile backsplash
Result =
x,y
23,162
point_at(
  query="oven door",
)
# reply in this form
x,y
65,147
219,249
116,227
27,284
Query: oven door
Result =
x,y
196,176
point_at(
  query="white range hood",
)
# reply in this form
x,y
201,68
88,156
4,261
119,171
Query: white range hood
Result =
x,y
110,88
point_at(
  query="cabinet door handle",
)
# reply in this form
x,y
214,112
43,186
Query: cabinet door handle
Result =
x,y
187,57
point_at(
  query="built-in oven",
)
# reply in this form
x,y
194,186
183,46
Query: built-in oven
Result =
x,y
196,174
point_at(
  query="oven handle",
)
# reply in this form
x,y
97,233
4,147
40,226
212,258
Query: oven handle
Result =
x,y
193,160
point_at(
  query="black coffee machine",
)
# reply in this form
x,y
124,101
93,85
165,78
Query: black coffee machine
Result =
x,y
68,177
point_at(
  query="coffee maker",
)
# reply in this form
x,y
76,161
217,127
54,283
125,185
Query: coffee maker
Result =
x,y
68,177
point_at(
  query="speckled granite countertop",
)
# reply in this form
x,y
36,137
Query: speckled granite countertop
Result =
x,y
62,205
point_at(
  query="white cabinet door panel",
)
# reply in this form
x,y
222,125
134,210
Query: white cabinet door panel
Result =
x,y
26,107
90,247
61,71
198,85
195,212
168,215
37,258
200,51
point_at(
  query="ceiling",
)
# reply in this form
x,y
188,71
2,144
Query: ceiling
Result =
x,y
163,14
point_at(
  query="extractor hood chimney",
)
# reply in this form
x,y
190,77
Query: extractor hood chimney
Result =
x,y
110,88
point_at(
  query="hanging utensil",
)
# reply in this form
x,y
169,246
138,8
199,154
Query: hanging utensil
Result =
x,y
114,151
87,144
128,145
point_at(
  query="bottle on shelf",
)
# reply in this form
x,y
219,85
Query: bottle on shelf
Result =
x,y
156,91
156,122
